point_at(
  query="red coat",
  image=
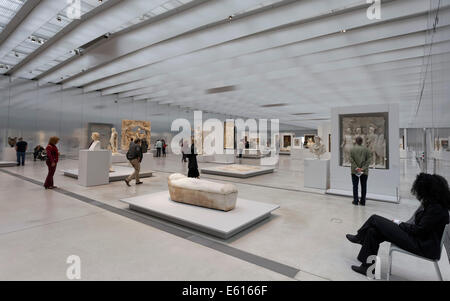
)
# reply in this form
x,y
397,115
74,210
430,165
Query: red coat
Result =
x,y
52,153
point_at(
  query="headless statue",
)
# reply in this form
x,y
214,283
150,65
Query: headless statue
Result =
x,y
114,141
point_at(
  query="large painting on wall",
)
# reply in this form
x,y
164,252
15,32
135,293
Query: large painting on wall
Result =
x,y
309,140
104,129
287,141
229,135
133,129
373,128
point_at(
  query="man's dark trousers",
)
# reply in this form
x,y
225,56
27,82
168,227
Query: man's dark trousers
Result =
x,y
20,158
356,180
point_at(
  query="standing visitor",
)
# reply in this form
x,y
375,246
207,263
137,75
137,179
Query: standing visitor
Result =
x,y
158,148
164,146
52,160
240,148
134,155
21,148
360,158
193,166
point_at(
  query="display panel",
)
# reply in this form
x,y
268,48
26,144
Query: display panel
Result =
x,y
373,129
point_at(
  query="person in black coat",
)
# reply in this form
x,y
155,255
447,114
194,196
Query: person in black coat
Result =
x,y
422,236
192,165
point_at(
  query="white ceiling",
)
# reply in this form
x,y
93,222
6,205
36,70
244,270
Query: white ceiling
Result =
x,y
272,59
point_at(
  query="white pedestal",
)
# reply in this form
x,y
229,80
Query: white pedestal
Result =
x,y
93,167
146,164
403,154
9,154
317,173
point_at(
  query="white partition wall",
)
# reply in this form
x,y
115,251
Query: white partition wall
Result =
x,y
383,184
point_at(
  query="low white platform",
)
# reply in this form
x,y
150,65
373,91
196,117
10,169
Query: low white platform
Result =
x,y
369,196
317,174
217,158
119,174
247,171
214,222
119,158
9,154
7,164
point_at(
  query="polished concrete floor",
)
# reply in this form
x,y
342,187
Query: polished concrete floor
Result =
x,y
39,229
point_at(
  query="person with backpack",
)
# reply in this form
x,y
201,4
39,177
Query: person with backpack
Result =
x,y
134,155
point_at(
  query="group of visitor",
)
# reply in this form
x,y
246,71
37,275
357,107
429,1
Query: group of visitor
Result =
x,y
161,147
421,235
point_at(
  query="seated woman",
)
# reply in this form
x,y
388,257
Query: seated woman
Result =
x,y
421,237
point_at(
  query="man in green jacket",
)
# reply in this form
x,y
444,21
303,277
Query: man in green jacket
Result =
x,y
360,158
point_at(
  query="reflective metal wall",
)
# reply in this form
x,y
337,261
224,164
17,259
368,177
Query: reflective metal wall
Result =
x,y
38,112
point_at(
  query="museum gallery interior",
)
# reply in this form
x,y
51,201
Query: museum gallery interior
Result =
x,y
199,140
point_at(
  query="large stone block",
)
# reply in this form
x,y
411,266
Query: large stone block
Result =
x,y
202,193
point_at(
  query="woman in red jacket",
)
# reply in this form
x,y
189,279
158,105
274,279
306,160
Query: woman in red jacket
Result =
x,y
52,161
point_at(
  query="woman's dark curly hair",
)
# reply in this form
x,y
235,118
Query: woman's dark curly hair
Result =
x,y
430,189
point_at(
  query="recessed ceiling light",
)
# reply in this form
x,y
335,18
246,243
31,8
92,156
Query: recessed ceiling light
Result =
x,y
274,105
221,89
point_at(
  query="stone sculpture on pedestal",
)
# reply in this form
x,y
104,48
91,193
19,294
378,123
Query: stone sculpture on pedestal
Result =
x,y
318,149
96,144
114,141
202,193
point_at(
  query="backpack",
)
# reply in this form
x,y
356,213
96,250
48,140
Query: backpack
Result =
x,y
131,154
144,147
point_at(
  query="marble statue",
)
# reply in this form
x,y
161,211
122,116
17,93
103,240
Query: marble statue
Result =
x,y
133,129
347,146
114,142
380,149
359,133
12,141
202,193
371,142
318,149
96,144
